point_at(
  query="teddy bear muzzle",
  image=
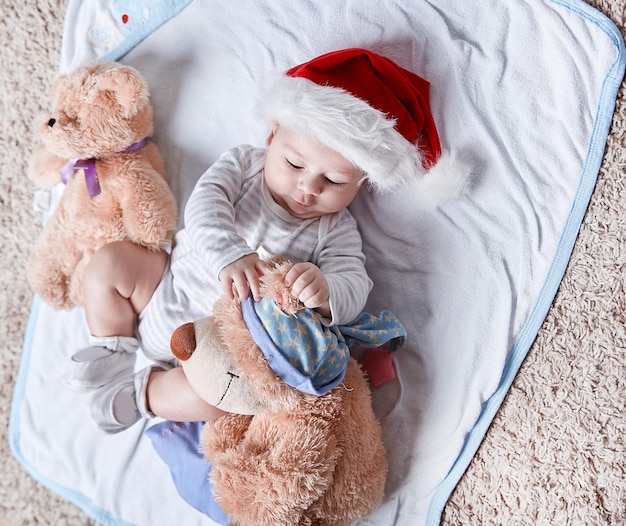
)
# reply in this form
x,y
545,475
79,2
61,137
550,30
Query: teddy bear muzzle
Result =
x,y
183,341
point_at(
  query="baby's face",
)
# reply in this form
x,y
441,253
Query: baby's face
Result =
x,y
306,178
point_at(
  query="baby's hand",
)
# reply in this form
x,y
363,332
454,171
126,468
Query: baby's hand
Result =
x,y
308,284
242,275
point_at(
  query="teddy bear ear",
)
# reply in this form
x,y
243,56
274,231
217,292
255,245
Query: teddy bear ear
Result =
x,y
273,285
127,86
59,86
54,87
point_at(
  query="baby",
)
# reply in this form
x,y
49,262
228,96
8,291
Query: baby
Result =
x,y
339,121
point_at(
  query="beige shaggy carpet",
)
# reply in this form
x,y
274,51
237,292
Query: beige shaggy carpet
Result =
x,y
555,453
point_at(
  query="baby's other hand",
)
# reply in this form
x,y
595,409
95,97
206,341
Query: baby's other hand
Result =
x,y
242,275
308,284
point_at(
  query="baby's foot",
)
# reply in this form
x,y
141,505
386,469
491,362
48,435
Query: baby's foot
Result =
x,y
94,367
114,406
118,405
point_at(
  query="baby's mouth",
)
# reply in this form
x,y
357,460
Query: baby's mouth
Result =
x,y
301,203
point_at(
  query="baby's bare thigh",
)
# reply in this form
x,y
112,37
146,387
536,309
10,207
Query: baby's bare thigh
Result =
x,y
134,270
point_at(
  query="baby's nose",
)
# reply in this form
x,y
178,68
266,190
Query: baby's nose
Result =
x,y
311,185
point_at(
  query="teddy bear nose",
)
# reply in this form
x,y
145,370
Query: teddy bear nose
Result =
x,y
51,122
183,341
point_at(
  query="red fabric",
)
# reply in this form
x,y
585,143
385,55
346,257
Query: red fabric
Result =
x,y
378,366
395,91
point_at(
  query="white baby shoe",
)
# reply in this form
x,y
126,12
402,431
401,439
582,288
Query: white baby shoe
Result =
x,y
94,367
117,406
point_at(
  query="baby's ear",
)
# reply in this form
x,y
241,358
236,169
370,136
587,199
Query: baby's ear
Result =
x,y
270,137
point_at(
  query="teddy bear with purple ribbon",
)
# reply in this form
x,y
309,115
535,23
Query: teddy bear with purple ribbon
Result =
x,y
97,143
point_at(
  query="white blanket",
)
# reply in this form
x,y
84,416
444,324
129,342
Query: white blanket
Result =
x,y
523,89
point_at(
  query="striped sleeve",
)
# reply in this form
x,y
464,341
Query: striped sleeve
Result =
x,y
341,259
210,212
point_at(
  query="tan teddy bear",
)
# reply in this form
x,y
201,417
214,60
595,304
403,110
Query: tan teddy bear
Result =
x,y
96,141
299,446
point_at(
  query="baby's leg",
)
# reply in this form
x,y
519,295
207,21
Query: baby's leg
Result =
x,y
148,393
119,281
170,396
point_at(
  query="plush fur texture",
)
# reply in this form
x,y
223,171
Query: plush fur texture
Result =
x,y
301,459
99,110
273,286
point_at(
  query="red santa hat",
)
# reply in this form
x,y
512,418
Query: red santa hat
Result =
x,y
373,112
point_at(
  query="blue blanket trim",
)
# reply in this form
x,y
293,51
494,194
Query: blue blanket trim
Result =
x,y
527,334
133,35
530,329
95,512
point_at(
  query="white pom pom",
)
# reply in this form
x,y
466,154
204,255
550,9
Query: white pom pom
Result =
x,y
444,181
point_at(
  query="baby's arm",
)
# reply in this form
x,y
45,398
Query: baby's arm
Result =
x,y
340,258
210,214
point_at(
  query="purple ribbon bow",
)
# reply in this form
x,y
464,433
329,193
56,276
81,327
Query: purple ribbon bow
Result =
x,y
89,167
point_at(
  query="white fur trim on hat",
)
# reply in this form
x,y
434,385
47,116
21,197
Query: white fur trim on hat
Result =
x,y
443,181
363,135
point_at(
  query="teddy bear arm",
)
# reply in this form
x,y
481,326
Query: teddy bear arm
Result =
x,y
148,208
155,159
50,271
219,435
278,471
44,167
